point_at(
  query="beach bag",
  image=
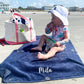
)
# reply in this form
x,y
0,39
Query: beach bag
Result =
x,y
20,30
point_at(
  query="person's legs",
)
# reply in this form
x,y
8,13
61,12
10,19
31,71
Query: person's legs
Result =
x,y
51,53
41,42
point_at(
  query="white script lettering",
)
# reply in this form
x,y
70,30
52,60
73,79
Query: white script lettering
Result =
x,y
45,70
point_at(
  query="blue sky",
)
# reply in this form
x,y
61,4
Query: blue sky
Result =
x,y
40,3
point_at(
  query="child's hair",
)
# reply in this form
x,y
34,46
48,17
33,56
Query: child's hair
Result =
x,y
61,12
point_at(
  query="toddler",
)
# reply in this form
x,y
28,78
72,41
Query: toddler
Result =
x,y
60,33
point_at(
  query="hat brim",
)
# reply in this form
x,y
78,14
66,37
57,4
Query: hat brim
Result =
x,y
63,19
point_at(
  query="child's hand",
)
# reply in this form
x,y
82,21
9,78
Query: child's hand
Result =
x,y
51,26
57,44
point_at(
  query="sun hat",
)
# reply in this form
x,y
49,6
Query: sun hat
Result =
x,y
61,12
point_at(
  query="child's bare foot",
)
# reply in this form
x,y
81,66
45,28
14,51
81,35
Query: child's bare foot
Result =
x,y
41,56
37,48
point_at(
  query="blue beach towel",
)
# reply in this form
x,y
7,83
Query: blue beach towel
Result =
x,y
23,66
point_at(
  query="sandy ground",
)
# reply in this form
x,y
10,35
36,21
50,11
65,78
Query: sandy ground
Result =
x,y
76,26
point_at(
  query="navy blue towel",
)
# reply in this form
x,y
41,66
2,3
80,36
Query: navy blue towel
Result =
x,y
22,65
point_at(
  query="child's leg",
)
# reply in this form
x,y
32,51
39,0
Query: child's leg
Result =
x,y
41,42
51,53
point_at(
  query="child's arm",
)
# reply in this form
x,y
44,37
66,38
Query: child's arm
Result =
x,y
65,40
49,28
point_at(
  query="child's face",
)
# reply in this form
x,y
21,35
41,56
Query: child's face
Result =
x,y
56,20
